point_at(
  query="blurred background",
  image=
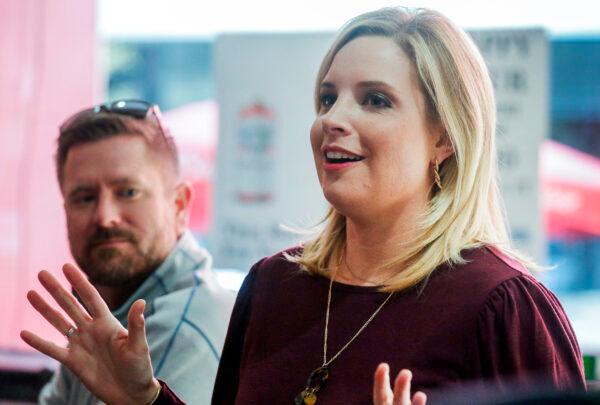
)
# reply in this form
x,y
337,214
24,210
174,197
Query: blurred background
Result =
x,y
234,81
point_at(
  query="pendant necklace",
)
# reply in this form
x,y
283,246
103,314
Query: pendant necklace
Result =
x,y
319,376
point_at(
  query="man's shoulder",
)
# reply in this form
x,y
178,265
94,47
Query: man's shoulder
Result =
x,y
203,297
185,333
193,319
189,282
191,298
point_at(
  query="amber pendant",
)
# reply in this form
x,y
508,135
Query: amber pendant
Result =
x,y
315,381
306,397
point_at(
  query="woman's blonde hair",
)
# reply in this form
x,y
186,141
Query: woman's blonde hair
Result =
x,y
468,211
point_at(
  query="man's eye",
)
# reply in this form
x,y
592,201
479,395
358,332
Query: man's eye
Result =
x,y
83,199
377,101
128,192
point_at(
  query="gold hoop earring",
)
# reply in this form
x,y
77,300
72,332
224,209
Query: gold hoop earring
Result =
x,y
436,175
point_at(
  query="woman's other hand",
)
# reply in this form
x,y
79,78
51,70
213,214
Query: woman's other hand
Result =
x,y
382,390
111,361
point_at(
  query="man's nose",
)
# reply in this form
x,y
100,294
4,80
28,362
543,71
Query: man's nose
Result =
x,y
108,212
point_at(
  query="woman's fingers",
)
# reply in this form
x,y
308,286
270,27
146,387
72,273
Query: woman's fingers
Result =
x,y
48,348
402,387
64,298
86,291
54,317
382,392
419,398
136,327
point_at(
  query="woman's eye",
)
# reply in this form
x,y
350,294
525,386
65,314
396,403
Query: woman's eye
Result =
x,y
327,100
377,101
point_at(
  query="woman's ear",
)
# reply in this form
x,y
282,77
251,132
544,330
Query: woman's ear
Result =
x,y
183,199
443,147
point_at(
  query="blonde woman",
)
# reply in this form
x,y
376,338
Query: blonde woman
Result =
x,y
413,273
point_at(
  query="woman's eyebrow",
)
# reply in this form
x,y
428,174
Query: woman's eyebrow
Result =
x,y
363,84
327,86
375,83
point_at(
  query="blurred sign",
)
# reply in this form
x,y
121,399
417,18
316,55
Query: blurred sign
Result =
x,y
518,61
265,175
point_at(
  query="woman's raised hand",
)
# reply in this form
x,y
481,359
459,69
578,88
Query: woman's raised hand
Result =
x,y
111,361
400,395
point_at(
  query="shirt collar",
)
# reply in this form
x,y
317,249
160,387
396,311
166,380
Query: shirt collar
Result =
x,y
187,265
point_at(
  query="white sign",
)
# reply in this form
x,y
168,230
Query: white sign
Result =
x,y
518,61
265,171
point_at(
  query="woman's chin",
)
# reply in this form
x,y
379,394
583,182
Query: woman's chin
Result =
x,y
345,204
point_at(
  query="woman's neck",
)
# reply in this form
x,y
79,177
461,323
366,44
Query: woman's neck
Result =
x,y
370,245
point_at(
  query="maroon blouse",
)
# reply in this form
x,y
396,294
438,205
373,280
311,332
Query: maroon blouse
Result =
x,y
486,320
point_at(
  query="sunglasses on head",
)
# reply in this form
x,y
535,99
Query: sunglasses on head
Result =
x,y
131,108
138,109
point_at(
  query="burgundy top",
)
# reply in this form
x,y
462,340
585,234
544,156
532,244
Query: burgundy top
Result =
x,y
166,396
486,320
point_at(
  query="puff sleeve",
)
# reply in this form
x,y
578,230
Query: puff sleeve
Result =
x,y
524,335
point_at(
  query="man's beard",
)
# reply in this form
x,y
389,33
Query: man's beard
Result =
x,y
113,267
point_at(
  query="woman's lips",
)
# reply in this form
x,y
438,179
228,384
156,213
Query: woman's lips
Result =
x,y
338,158
339,166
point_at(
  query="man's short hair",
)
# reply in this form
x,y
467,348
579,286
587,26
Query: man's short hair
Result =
x,y
92,126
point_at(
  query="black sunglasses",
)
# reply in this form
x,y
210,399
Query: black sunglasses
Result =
x,y
132,108
138,109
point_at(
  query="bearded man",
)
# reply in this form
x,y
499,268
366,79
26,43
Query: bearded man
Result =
x,y
126,212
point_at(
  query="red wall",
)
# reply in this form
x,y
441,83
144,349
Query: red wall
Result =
x,y
47,71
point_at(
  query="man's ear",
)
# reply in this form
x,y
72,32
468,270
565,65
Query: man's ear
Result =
x,y
183,198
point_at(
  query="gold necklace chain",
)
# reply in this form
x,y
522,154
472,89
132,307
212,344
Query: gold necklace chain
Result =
x,y
308,396
326,333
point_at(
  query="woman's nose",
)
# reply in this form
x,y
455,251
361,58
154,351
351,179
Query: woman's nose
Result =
x,y
336,121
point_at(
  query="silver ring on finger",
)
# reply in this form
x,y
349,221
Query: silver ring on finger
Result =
x,y
70,332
